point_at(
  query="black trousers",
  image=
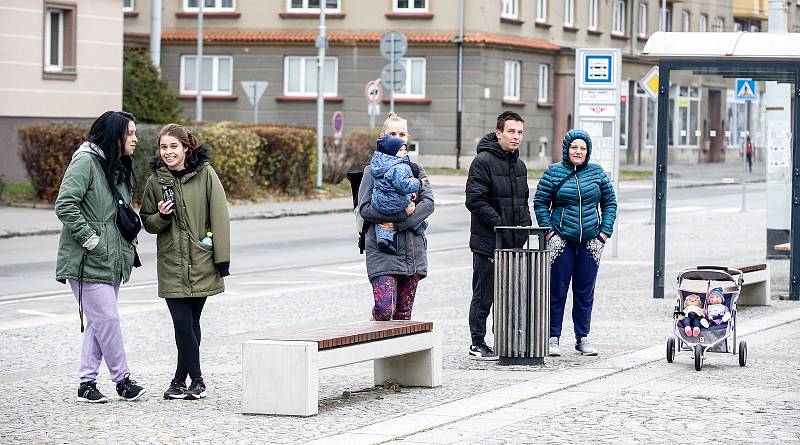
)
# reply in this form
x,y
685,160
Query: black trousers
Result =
x,y
185,314
482,296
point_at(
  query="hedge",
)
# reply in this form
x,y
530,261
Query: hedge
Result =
x,y
287,159
353,152
46,150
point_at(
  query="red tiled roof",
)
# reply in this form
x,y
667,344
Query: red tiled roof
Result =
x,y
477,38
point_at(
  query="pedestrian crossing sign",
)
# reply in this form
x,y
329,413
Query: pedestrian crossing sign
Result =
x,y
745,89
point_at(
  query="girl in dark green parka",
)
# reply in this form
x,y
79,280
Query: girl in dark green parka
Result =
x,y
185,205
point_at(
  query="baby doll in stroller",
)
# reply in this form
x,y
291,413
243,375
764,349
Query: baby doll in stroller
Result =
x,y
716,312
693,316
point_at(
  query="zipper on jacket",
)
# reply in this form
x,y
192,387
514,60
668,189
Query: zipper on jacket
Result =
x,y
580,206
597,211
562,219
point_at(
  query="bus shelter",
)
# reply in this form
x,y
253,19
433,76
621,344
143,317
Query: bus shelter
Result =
x,y
759,56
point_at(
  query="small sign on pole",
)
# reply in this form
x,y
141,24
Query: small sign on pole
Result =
x,y
393,46
254,90
649,83
338,124
374,93
745,89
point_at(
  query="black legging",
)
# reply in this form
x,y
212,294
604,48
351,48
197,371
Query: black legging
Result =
x,y
186,320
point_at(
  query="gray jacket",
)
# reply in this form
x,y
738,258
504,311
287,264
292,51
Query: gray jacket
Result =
x,y
411,257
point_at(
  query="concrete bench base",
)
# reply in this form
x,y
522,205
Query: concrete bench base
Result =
x,y
756,287
282,377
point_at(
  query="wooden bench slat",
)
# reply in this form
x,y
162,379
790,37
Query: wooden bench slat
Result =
x,y
354,333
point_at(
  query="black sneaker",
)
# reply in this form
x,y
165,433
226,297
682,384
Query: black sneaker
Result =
x,y
197,390
482,352
129,390
176,390
87,392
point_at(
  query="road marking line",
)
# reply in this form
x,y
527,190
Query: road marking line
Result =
x,y
31,312
338,272
269,283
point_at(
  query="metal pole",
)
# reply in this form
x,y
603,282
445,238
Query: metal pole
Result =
x,y
459,82
391,90
659,254
744,177
198,105
321,44
794,261
663,15
255,105
155,33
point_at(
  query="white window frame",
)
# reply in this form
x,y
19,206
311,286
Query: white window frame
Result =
x,y
410,8
128,8
665,18
642,19
413,148
703,27
592,20
544,83
719,24
215,89
755,28
59,67
686,21
509,9
618,18
216,8
569,13
541,11
305,7
737,27
511,80
305,62
407,94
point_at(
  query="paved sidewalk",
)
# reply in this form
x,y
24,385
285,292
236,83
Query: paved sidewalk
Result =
x,y
627,394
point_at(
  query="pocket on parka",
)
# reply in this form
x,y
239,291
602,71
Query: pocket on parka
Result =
x,y
203,272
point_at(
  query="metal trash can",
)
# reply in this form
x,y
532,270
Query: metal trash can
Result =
x,y
521,299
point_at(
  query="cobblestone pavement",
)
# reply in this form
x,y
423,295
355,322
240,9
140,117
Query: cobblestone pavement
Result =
x,y
653,402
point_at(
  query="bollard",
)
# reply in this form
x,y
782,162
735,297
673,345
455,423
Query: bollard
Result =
x,y
521,300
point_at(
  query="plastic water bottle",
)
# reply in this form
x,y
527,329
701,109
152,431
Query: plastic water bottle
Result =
x,y
207,240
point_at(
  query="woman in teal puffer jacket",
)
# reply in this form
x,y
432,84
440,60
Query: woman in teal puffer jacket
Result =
x,y
577,200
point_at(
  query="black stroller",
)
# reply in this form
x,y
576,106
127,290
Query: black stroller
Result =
x,y
699,281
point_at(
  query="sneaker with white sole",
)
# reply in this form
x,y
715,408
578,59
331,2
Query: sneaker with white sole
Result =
x,y
482,352
554,348
197,390
87,392
584,346
129,390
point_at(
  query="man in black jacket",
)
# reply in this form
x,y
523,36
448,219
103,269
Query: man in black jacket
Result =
x,y
497,195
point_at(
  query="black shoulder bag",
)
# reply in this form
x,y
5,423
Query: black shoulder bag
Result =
x,y
128,221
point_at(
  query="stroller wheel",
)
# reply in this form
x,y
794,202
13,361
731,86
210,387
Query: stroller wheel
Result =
x,y
742,353
670,349
698,358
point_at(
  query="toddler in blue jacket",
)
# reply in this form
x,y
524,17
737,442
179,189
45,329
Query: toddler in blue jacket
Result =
x,y
395,186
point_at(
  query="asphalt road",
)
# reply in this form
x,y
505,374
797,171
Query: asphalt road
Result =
x,y
305,251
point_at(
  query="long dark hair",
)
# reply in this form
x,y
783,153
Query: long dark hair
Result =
x,y
108,132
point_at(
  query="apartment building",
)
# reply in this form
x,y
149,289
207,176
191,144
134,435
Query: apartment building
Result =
x,y
518,55
60,60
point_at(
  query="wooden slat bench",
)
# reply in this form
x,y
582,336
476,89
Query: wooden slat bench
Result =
x,y
756,287
280,373
785,247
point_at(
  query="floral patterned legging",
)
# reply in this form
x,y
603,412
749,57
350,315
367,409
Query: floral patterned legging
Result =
x,y
394,296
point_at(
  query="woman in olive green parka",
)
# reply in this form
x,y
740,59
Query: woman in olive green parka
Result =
x,y
183,203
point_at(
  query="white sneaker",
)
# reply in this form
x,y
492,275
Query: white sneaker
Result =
x,y
555,350
584,346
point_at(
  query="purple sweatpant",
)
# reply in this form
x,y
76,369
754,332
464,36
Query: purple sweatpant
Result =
x,y
102,337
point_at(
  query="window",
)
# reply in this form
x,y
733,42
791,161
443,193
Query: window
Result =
x,y
541,10
410,5
127,5
300,76
685,21
592,20
755,28
569,9
703,23
719,24
209,5
544,82
510,9
642,19
618,18
54,41
687,110
415,78
216,75
311,5
666,18
511,82
59,39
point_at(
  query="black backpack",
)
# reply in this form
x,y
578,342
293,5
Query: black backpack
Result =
x,y
355,178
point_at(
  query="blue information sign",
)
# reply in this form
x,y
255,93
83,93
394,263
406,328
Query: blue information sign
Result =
x,y
745,89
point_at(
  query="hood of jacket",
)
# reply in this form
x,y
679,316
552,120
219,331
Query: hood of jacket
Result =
x,y
568,138
381,163
192,162
489,143
88,147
